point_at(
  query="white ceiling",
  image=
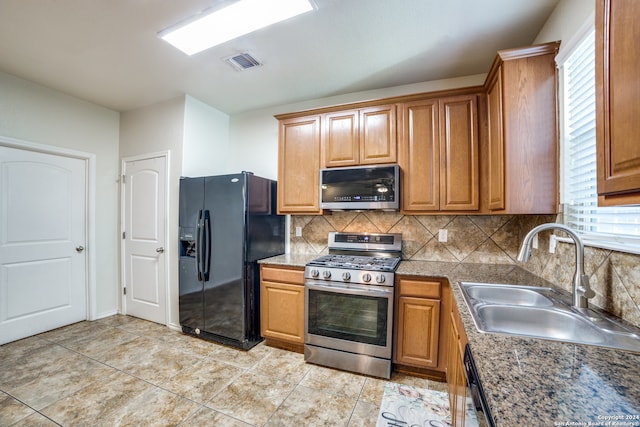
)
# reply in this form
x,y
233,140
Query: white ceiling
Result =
x,y
108,52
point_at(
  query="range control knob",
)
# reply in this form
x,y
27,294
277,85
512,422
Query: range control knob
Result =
x,y
315,273
366,277
346,276
380,278
326,274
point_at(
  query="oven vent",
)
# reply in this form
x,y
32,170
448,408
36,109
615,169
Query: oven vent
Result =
x,y
243,61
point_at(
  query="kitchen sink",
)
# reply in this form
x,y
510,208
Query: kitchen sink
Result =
x,y
543,312
540,322
516,295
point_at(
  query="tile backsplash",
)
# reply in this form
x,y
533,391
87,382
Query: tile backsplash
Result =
x,y
614,276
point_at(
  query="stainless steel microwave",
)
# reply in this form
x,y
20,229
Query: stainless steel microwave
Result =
x,y
360,187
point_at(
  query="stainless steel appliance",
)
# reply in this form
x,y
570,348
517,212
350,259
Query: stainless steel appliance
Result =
x,y
349,303
227,223
478,402
360,187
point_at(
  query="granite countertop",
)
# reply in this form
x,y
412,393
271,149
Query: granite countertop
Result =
x,y
531,381
289,260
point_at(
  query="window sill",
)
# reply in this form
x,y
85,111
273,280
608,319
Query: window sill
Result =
x,y
621,245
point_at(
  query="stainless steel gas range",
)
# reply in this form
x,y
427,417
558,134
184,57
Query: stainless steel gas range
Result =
x,y
348,301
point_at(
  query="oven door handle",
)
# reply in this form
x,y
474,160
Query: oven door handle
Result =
x,y
350,289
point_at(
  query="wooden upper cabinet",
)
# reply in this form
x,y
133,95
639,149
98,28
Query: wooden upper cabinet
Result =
x,y
360,137
378,135
459,173
439,154
618,101
340,139
523,131
495,141
420,156
299,165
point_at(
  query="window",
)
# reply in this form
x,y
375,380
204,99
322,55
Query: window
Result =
x,y
609,227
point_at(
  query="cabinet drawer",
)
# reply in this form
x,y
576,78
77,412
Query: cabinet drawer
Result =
x,y
279,274
419,288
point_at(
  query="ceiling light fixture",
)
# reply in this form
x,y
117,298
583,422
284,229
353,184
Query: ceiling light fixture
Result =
x,y
235,20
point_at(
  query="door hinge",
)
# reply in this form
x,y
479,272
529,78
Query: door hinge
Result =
x,y
124,290
123,235
124,179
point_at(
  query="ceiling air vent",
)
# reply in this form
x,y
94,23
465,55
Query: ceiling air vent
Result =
x,y
242,61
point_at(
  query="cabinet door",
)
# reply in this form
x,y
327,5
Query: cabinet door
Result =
x,y
461,393
418,331
282,311
340,139
618,98
378,135
522,132
456,374
495,139
453,367
459,173
420,158
529,114
299,166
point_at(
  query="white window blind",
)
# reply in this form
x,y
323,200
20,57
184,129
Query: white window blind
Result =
x,y
610,227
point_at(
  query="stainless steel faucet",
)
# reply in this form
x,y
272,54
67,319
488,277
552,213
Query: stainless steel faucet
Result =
x,y
581,289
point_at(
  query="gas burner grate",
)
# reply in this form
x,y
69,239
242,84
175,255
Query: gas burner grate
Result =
x,y
357,262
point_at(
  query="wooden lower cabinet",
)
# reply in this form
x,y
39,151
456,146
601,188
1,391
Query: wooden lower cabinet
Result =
x,y
282,306
418,331
456,375
419,345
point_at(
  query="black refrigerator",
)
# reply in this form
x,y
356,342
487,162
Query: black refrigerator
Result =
x,y
227,224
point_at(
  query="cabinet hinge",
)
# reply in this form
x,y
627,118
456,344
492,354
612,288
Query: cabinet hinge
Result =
x,y
124,180
123,235
124,290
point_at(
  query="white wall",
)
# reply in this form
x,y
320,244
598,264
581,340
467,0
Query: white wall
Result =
x,y
565,21
254,135
206,140
37,114
153,129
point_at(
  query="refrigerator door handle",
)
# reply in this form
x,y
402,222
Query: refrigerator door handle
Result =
x,y
199,251
206,259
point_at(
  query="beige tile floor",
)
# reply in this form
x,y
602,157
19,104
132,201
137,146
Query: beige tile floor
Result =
x,y
123,371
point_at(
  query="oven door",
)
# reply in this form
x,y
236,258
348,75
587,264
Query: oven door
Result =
x,y
349,317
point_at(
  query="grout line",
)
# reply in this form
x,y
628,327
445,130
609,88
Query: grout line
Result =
x,y
67,342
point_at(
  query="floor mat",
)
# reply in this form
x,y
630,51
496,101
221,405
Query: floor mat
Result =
x,y
404,405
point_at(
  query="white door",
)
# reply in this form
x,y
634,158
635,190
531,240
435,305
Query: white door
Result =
x,y
144,238
42,238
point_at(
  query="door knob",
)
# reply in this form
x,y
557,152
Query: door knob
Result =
x,y
160,250
79,249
